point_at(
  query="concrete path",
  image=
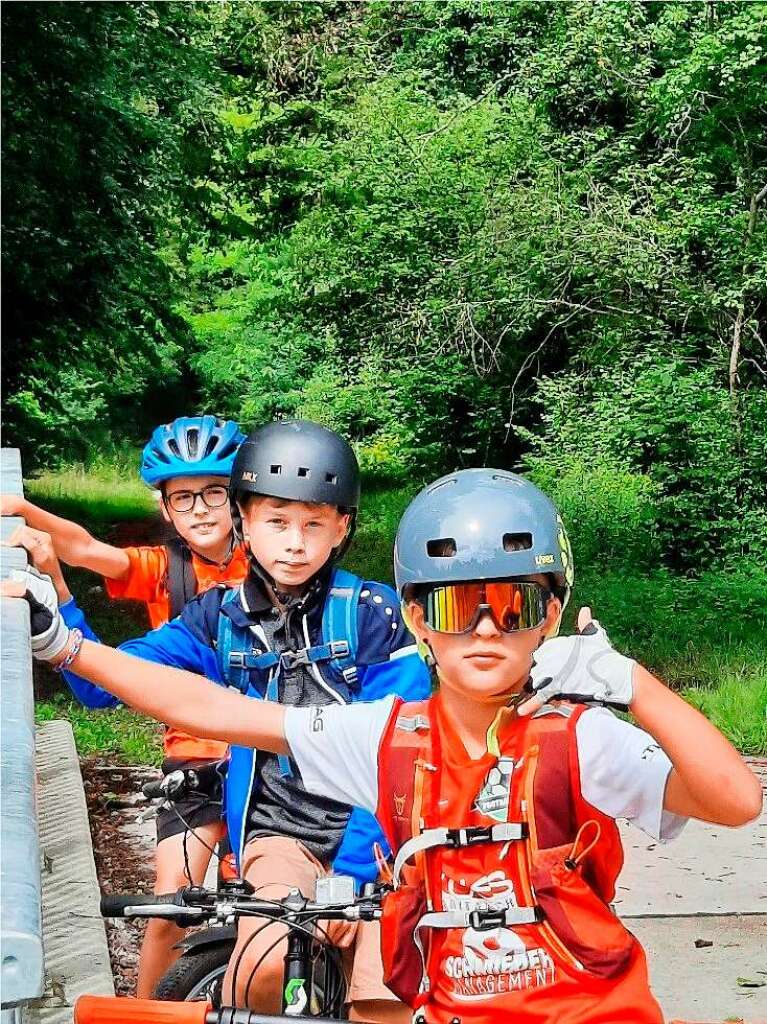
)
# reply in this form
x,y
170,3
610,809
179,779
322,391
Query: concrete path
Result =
x,y
708,886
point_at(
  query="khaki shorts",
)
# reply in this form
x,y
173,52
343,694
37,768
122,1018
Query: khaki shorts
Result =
x,y
279,864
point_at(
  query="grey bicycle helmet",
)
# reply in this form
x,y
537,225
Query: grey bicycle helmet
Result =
x,y
481,524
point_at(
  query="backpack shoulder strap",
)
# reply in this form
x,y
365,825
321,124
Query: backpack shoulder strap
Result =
x,y
339,624
234,646
181,581
407,741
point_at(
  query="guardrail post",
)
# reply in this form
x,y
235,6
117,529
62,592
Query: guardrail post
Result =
x,y
20,894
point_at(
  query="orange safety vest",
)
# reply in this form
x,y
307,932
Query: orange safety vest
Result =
x,y
503,878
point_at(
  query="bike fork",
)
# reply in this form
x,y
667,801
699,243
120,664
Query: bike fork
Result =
x,y
297,981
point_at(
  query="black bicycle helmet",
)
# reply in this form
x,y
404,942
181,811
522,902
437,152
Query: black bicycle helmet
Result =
x,y
299,461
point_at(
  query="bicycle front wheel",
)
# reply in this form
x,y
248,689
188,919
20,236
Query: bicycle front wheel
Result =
x,y
196,975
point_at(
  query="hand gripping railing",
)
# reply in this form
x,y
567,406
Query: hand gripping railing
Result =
x,y
22,974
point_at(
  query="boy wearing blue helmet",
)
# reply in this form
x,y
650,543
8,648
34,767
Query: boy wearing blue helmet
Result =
x,y
189,462
498,794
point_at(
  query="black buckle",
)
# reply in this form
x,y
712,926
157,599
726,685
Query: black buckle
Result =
x,y
292,659
486,920
469,836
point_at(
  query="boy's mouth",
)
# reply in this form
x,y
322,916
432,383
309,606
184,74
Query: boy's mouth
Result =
x,y
484,659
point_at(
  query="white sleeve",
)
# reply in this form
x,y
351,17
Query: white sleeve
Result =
x,y
624,773
336,749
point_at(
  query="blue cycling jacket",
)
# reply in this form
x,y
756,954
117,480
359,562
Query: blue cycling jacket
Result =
x,y
387,662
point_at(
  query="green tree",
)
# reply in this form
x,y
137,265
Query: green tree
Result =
x,y
98,100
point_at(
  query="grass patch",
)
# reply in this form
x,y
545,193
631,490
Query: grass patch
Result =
x,y
105,490
371,553
118,732
737,705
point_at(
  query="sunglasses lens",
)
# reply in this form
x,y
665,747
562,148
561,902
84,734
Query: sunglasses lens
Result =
x,y
514,606
451,609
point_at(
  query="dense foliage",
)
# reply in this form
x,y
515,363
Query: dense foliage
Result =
x,y
98,100
530,234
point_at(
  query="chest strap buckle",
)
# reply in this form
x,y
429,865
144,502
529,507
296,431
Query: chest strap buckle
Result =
x,y
455,838
312,655
459,837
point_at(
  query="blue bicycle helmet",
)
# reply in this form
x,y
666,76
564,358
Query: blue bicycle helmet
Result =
x,y
190,446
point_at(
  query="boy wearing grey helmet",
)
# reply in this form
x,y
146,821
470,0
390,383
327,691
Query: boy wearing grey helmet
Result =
x,y
498,794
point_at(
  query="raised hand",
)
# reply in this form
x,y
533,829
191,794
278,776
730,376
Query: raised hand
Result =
x,y
39,546
10,505
584,668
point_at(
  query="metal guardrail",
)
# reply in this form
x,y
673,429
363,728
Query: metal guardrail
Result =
x,y
22,970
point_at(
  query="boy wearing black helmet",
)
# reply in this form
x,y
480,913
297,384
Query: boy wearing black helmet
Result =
x,y
301,632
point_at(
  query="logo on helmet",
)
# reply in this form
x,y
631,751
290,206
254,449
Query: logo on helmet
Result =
x,y
566,552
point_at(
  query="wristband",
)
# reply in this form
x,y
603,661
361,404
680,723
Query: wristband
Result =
x,y
75,643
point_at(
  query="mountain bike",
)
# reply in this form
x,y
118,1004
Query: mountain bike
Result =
x,y
313,982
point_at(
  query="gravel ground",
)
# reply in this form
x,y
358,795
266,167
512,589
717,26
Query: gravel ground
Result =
x,y
124,854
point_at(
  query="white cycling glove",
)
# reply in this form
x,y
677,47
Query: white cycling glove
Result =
x,y
584,668
50,634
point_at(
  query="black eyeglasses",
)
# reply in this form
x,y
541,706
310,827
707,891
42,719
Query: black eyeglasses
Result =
x,y
214,496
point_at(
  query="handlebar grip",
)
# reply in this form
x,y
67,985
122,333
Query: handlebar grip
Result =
x,y
115,904
120,1010
153,789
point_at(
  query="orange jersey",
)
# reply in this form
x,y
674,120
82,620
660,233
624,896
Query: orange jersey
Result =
x,y
146,581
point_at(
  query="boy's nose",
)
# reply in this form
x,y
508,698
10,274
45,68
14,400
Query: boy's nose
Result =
x,y
295,540
485,625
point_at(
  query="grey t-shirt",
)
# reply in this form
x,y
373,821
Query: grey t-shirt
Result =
x,y
280,805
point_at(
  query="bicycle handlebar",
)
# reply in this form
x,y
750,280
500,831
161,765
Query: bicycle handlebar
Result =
x,y
151,790
202,777
143,905
121,1010
197,904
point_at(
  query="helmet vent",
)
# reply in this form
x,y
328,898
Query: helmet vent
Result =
x,y
275,470
174,447
303,471
331,478
192,438
517,541
210,447
442,548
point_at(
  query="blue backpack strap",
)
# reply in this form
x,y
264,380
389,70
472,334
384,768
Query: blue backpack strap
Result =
x,y
234,649
340,638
